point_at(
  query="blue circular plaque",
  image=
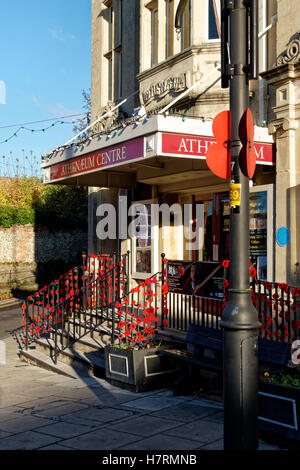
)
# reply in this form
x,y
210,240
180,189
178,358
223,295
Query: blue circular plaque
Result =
x,y
283,236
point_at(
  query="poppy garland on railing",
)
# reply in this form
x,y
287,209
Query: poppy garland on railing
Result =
x,y
63,297
138,311
275,305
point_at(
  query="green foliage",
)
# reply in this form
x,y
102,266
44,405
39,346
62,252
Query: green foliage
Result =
x,y
62,207
282,379
14,215
28,200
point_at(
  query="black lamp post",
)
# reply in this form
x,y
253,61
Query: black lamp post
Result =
x,y
239,319
240,322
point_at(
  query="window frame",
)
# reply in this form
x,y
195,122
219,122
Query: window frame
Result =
x,y
170,9
154,29
209,3
154,247
183,46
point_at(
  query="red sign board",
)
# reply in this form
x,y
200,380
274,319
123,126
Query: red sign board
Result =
x,y
218,155
104,158
180,145
247,154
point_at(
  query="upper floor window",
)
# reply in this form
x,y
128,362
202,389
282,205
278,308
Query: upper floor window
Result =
x,y
186,26
170,28
154,36
110,27
213,27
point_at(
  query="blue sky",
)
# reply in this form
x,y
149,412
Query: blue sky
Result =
x,y
45,63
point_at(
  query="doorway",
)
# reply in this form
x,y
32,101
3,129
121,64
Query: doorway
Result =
x,y
216,227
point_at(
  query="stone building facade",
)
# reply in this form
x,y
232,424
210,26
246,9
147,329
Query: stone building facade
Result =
x,y
159,92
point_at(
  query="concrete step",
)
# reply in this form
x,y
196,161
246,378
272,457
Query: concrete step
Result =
x,y
84,343
102,333
40,359
91,362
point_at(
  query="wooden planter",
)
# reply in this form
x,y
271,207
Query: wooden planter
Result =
x,y
140,370
279,411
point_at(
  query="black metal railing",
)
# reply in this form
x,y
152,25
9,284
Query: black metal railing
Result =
x,y
137,314
278,306
77,303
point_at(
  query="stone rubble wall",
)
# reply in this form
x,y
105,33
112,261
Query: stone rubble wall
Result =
x,y
24,253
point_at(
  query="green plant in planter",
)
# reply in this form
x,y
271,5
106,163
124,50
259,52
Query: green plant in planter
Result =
x,y
284,379
137,346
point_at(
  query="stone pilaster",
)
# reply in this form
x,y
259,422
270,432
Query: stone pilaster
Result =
x,y
286,79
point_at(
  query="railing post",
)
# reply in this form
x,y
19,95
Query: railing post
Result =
x,y
55,337
118,268
113,299
27,324
127,271
162,295
83,281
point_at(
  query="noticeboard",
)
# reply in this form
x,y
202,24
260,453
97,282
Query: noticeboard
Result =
x,y
200,278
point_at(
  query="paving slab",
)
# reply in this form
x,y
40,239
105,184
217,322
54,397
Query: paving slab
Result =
x,y
198,430
77,420
8,400
216,445
56,447
23,423
103,415
161,442
104,438
61,410
153,403
64,430
185,412
4,434
26,441
44,403
145,426
215,418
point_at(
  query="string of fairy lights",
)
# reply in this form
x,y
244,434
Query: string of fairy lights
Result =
x,y
28,165
117,128
22,127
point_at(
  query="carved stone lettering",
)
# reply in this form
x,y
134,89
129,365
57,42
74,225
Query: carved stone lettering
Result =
x,y
162,88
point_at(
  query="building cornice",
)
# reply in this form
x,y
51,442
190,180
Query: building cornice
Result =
x,y
283,124
282,74
186,54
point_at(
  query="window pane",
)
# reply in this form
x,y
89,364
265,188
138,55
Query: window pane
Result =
x,y
143,242
170,27
154,35
120,74
212,25
110,78
186,27
110,14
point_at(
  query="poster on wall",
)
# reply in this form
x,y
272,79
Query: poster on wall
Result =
x,y
258,232
200,278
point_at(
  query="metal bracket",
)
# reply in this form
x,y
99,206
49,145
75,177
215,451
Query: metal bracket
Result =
x,y
229,4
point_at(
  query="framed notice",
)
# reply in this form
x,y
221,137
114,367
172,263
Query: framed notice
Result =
x,y
200,278
261,225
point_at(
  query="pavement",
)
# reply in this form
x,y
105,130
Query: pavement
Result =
x,y
45,411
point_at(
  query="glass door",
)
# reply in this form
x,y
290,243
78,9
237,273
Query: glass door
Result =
x,y
216,227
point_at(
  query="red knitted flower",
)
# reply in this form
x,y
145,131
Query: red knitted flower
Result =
x,y
164,289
